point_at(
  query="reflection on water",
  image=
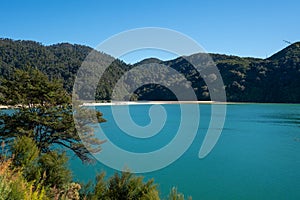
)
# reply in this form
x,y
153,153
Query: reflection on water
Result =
x,y
288,119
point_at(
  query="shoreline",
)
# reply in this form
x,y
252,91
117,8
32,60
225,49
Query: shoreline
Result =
x,y
123,103
120,103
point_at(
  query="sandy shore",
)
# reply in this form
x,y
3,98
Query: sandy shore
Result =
x,y
116,103
120,103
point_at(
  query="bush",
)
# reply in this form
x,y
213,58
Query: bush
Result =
x,y
125,186
50,167
174,195
13,186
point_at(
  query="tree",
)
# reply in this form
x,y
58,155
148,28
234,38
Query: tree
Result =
x,y
24,151
43,112
125,186
128,186
49,168
175,195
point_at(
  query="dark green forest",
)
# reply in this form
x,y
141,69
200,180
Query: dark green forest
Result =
x,y
274,79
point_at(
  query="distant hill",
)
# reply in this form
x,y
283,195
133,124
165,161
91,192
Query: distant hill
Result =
x,y
291,52
275,79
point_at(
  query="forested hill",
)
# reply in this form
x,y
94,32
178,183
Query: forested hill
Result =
x,y
275,79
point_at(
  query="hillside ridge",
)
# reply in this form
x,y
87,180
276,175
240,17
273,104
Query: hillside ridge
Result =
x,y
275,79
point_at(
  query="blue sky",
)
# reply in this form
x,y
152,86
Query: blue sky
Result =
x,y
245,28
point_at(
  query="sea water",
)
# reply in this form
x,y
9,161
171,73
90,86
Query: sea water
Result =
x,y
256,157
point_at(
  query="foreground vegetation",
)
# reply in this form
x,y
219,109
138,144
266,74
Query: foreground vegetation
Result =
x,y
29,175
35,137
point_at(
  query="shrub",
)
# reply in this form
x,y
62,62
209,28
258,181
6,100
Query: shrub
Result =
x,y
13,186
125,186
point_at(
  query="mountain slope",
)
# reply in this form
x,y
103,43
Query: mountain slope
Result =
x,y
275,79
292,52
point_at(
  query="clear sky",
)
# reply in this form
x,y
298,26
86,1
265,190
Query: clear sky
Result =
x,y
245,28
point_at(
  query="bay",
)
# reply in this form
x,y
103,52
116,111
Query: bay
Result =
x,y
256,157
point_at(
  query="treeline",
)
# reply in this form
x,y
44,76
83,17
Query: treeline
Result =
x,y
275,79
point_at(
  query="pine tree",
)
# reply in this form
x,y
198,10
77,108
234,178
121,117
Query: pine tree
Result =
x,y
43,112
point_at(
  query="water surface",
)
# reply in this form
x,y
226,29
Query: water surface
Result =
x,y
256,157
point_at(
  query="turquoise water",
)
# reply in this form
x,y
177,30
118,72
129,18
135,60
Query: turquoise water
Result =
x,y
256,157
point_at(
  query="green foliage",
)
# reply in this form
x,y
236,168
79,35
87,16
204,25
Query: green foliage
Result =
x,y
55,182
45,176
125,186
128,187
49,168
100,189
13,186
55,169
60,61
25,152
245,79
175,195
69,192
26,156
5,188
32,87
44,114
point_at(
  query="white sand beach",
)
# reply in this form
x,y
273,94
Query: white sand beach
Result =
x,y
120,103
